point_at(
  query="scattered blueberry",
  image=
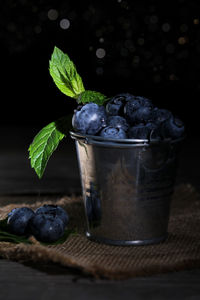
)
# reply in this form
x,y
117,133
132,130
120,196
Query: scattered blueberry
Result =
x,y
115,106
47,227
89,119
53,210
18,220
118,122
113,133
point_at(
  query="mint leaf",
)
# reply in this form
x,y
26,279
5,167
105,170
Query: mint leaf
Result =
x,y
64,74
43,145
91,96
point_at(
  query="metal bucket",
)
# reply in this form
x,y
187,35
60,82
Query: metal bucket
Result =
x,y
127,187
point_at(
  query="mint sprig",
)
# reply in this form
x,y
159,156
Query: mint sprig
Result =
x,y
69,82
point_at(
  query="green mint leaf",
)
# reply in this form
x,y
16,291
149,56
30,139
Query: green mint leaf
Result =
x,y
91,96
43,145
64,74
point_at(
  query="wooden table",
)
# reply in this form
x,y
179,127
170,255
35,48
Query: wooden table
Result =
x,y
45,281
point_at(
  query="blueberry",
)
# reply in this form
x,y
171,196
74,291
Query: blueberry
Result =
x,y
113,133
118,122
89,119
160,115
54,210
11,213
141,131
116,105
173,128
138,110
18,220
47,227
141,115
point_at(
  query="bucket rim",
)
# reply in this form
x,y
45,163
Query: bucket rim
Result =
x,y
93,139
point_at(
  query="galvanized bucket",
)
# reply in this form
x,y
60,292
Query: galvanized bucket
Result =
x,y
127,187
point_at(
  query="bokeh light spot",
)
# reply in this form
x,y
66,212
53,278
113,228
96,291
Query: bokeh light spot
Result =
x,y
166,27
100,53
52,14
64,23
153,19
182,40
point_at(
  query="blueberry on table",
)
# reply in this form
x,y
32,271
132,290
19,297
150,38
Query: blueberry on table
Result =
x,y
115,106
47,227
113,133
89,119
173,128
18,220
118,122
53,210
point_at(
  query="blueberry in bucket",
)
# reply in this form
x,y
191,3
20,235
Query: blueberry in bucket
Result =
x,y
90,119
141,115
18,220
173,128
118,122
141,131
113,133
160,115
115,107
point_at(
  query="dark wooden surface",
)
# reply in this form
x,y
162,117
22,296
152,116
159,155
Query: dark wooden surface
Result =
x,y
44,281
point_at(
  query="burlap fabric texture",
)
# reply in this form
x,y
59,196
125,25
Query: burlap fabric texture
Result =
x,y
180,251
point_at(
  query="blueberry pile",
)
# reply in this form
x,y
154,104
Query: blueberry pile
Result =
x,y
127,117
47,223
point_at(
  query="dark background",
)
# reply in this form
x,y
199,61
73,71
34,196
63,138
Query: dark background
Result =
x,y
152,48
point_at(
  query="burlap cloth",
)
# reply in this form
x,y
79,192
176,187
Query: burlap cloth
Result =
x,y
180,251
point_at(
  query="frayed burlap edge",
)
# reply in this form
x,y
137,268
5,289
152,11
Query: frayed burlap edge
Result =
x,y
36,253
